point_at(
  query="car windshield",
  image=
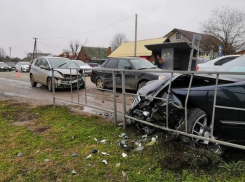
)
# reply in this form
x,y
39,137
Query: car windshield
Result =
x,y
80,63
62,63
237,65
24,63
142,64
3,64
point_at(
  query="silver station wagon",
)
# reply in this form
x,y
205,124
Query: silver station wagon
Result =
x,y
64,73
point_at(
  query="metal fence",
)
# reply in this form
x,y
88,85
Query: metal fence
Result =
x,y
124,94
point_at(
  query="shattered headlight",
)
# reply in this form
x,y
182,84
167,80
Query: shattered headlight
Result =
x,y
161,77
58,75
135,101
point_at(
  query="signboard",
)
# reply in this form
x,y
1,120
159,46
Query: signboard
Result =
x,y
220,50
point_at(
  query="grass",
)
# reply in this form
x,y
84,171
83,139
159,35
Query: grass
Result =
x,y
49,134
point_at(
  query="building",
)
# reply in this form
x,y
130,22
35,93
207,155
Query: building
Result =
x,y
93,54
241,52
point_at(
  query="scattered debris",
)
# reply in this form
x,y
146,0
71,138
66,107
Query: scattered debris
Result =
x,y
122,143
103,141
19,154
94,151
89,165
146,113
106,114
46,160
95,139
74,155
144,136
153,140
37,152
104,153
138,143
89,156
124,174
124,155
118,164
103,101
105,162
138,149
73,137
122,135
73,172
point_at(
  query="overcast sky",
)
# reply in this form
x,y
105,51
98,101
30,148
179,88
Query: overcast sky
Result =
x,y
58,22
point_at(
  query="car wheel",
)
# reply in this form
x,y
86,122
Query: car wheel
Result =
x,y
33,83
141,84
198,125
82,84
100,83
21,70
49,84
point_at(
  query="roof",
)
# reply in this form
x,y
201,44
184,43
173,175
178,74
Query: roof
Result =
x,y
95,52
186,33
176,45
127,49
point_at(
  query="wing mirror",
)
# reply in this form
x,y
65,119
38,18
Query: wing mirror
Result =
x,y
127,67
42,67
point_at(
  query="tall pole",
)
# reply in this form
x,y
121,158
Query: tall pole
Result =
x,y
135,41
10,53
35,48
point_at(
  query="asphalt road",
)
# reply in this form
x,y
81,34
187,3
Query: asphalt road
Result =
x,y
20,89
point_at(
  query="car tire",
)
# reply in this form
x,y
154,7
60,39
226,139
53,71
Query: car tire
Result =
x,y
198,125
83,85
100,83
21,70
49,84
141,84
16,70
33,83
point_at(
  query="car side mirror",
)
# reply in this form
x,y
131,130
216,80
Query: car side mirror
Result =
x,y
127,67
42,67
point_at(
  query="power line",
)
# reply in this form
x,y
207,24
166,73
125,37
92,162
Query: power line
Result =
x,y
22,43
90,30
50,45
155,22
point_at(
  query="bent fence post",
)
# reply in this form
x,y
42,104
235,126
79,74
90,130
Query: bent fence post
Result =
x,y
71,85
53,89
169,88
214,104
114,98
77,87
124,100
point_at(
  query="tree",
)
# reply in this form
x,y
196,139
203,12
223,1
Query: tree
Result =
x,y
2,54
117,40
74,48
228,26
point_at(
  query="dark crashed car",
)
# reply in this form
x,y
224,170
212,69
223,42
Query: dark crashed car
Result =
x,y
133,80
229,124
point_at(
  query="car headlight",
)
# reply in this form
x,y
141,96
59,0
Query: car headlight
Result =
x,y
161,77
2,67
58,75
135,101
9,67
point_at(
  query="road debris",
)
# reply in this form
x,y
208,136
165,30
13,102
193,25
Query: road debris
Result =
x,y
46,160
106,114
95,139
37,152
118,164
74,155
73,137
124,155
138,149
122,135
104,153
103,141
19,154
105,162
73,172
89,156
153,140
94,151
124,174
144,136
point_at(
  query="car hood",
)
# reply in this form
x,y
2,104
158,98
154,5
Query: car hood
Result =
x,y
67,71
89,67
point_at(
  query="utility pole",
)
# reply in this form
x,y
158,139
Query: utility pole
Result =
x,y
35,47
135,41
10,53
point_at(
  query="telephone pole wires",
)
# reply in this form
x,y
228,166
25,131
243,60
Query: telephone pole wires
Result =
x,y
135,41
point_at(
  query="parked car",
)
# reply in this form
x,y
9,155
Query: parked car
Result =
x,y
22,67
228,123
93,64
64,76
134,80
83,65
12,64
214,64
5,67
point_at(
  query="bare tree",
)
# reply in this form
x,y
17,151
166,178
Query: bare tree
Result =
x,y
227,25
74,46
117,40
209,44
2,54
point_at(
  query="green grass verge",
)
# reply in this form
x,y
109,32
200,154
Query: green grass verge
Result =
x,y
49,133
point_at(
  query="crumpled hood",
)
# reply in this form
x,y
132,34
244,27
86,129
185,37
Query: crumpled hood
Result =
x,y
67,71
86,67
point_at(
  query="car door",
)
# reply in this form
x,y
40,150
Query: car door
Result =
x,y
107,76
44,73
36,70
129,76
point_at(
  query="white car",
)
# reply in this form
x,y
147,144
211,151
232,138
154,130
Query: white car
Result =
x,y
22,67
214,64
83,65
